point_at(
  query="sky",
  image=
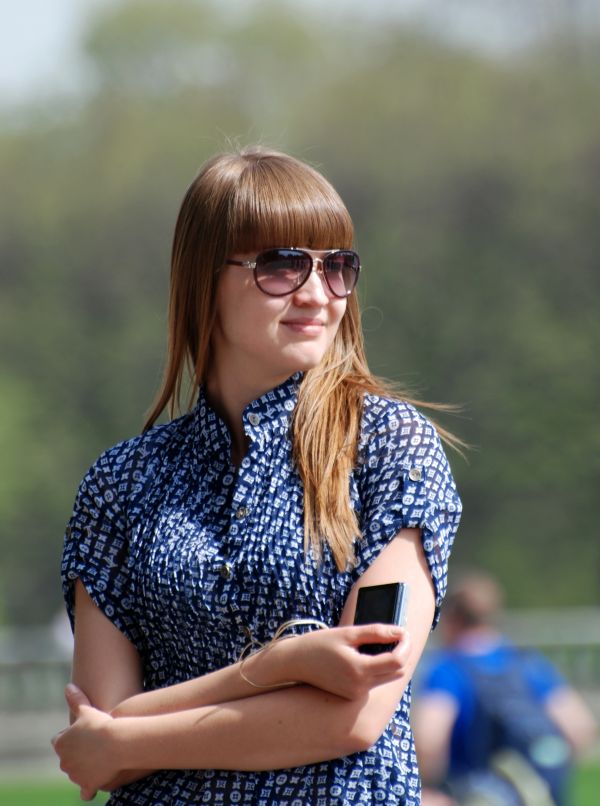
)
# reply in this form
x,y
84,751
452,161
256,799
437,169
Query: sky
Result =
x,y
38,38
37,46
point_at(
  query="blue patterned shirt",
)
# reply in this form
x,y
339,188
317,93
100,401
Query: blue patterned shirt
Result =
x,y
190,556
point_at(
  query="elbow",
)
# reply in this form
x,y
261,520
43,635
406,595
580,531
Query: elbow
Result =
x,y
363,740
372,715
363,721
354,729
365,732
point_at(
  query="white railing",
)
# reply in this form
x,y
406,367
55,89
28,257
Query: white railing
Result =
x,y
35,662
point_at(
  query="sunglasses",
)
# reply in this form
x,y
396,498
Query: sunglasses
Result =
x,y
278,272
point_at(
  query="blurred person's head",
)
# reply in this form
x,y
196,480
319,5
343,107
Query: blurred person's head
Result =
x,y
473,603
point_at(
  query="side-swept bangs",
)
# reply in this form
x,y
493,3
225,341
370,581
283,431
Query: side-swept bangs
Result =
x,y
279,201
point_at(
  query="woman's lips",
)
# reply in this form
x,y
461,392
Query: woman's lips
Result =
x,y
301,325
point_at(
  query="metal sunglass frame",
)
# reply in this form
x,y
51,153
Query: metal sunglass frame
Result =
x,y
254,265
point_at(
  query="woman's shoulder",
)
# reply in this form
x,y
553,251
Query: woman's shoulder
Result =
x,y
141,451
392,417
395,434
124,473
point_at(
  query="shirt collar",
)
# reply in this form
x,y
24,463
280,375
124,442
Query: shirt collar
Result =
x,y
269,414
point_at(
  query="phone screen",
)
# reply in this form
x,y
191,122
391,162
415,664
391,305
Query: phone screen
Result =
x,y
376,603
384,604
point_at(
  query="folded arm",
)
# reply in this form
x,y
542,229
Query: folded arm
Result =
x,y
326,660
281,728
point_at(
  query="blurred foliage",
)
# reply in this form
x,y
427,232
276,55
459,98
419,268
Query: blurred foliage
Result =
x,y
473,183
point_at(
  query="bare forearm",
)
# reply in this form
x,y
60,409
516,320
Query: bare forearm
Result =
x,y
287,728
221,686
327,660
224,685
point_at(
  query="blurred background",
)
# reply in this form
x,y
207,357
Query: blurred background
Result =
x,y
464,136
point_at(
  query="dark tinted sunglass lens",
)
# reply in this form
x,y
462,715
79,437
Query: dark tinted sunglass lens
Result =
x,y
341,270
281,271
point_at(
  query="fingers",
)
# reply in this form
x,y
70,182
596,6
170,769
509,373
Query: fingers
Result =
x,y
87,794
392,665
387,665
399,654
55,738
75,698
377,634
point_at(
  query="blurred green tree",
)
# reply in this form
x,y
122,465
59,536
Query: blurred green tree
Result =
x,y
472,182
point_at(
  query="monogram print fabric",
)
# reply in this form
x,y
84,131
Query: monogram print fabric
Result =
x,y
191,557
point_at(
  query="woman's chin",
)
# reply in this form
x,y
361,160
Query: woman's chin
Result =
x,y
302,362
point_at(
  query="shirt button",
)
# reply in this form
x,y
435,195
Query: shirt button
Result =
x,y
241,513
415,474
253,418
226,571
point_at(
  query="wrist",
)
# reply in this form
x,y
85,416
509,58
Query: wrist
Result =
x,y
121,741
290,660
283,661
273,666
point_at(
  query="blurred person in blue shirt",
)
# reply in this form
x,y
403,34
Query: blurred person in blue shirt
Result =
x,y
494,723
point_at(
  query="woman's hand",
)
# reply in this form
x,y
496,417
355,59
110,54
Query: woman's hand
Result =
x,y
330,660
86,750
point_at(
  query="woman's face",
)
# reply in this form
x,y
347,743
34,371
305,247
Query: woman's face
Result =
x,y
262,337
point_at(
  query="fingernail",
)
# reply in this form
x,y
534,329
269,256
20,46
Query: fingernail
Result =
x,y
71,688
396,631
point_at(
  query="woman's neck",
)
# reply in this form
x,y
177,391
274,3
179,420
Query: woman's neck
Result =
x,y
228,395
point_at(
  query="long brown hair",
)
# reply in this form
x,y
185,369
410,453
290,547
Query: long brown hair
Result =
x,y
247,201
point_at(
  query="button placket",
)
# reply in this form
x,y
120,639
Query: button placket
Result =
x,y
242,492
240,622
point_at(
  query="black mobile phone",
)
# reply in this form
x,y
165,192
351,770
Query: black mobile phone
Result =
x,y
381,604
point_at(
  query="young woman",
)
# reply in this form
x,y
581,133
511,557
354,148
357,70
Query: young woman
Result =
x,y
295,479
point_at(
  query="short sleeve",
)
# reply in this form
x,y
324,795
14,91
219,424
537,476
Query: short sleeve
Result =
x,y
407,483
96,549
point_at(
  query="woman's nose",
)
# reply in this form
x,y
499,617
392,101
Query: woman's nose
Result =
x,y
315,288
